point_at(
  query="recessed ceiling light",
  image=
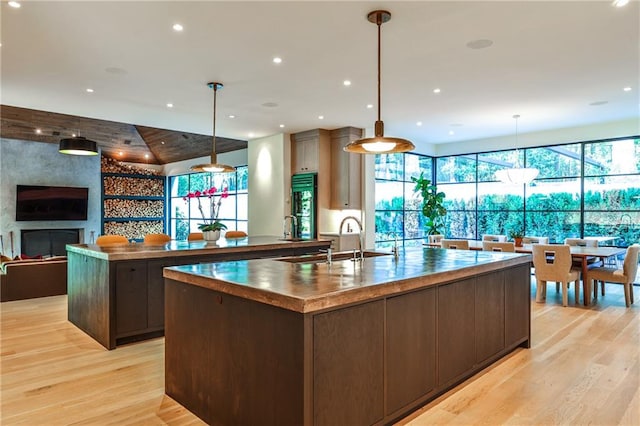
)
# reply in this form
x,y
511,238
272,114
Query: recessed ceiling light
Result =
x,y
451,132
178,27
161,142
369,106
347,82
251,134
169,105
38,131
146,156
73,135
620,3
89,90
479,44
436,90
277,60
627,89
281,126
419,123
232,116
14,4
120,153
321,117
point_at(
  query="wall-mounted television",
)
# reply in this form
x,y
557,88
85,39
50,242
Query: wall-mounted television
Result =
x,y
51,203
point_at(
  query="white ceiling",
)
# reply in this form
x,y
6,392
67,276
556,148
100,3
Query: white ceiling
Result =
x,y
549,61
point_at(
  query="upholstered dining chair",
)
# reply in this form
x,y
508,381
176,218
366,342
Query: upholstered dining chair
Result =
x,y
552,262
454,244
592,262
156,238
195,236
624,276
498,246
104,240
435,238
235,234
535,240
496,238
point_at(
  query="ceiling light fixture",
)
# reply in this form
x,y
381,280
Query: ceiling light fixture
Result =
x,y
379,143
78,145
517,175
14,4
214,166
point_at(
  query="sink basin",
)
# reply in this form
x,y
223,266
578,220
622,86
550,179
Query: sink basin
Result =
x,y
293,239
321,257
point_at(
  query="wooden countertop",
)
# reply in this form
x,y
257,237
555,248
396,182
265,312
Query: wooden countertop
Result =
x,y
173,248
308,286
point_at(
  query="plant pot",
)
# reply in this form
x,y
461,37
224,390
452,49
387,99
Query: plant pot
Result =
x,y
518,242
211,235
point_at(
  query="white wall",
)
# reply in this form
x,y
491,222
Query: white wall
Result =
x,y
233,158
38,163
269,162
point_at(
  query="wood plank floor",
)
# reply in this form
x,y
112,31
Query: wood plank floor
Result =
x,y
583,368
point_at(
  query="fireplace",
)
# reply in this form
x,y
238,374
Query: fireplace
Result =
x,y
45,242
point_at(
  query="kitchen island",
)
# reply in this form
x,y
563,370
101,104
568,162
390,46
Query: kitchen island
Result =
x,y
347,343
116,292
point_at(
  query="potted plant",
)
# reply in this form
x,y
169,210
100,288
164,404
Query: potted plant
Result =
x,y
432,205
517,236
212,226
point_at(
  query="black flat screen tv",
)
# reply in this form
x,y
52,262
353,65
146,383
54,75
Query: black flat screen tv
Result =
x,y
51,203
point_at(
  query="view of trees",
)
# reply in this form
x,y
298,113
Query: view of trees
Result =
x,y
583,189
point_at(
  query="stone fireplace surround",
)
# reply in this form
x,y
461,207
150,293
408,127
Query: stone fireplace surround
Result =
x,y
49,242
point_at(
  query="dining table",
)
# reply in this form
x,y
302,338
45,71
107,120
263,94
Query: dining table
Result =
x,y
581,253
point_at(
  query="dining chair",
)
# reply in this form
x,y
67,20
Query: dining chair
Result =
x,y
104,240
498,246
496,238
535,240
435,238
454,244
552,262
592,262
195,236
156,238
624,276
235,234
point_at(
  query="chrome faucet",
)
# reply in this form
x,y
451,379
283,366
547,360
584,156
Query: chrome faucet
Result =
x,y
394,249
294,225
328,251
360,242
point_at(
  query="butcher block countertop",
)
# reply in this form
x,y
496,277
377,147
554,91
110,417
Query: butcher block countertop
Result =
x,y
138,251
314,285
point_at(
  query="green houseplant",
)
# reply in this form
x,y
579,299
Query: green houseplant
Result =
x,y
432,204
517,236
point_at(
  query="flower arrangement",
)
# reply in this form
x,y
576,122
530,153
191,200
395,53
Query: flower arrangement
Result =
x,y
211,224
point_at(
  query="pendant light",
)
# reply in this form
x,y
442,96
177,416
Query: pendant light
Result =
x,y
78,145
517,175
379,144
214,166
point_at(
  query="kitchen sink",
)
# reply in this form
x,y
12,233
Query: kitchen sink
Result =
x,y
293,239
322,257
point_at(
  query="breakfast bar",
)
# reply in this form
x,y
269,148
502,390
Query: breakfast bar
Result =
x,y
301,340
116,292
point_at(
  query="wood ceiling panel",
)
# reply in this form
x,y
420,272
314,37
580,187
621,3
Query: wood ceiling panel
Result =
x,y
122,141
169,146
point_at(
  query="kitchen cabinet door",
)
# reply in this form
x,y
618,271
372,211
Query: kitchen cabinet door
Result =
x,y
346,170
489,307
131,297
306,155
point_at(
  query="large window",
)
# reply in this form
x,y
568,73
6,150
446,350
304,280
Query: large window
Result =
x,y
397,207
589,189
185,215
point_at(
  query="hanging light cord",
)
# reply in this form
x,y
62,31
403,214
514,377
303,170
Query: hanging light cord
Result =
x,y
215,97
379,24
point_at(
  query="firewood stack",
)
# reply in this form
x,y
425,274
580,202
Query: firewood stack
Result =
x,y
133,208
118,185
133,229
109,165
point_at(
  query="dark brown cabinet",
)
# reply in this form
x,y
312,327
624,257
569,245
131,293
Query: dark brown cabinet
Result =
x,y
410,348
517,326
456,330
489,315
346,170
348,348
131,297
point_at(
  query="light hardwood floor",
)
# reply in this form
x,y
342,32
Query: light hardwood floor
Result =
x,y
583,368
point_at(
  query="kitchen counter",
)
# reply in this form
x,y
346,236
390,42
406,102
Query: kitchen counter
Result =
x,y
299,341
315,285
116,292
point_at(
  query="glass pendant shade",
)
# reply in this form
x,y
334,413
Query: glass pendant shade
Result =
x,y
517,175
214,166
379,144
78,146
